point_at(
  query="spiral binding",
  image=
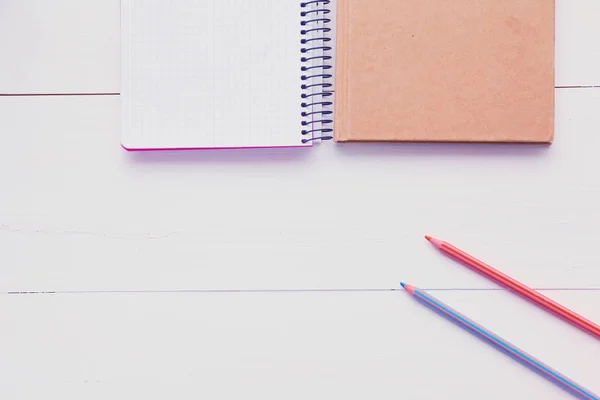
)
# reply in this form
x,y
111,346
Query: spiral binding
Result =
x,y
316,78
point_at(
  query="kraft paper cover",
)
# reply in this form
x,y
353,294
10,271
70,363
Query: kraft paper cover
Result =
x,y
445,70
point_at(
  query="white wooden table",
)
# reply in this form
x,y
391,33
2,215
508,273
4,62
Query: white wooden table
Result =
x,y
142,251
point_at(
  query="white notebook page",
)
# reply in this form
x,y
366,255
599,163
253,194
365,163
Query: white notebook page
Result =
x,y
211,73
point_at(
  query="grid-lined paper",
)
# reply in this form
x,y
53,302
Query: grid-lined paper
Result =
x,y
211,73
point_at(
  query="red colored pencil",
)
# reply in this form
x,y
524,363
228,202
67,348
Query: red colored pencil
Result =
x,y
517,287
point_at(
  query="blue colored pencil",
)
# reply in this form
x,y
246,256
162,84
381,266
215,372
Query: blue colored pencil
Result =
x,y
500,343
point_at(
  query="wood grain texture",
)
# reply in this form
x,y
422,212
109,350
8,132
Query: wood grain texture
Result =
x,y
78,212
59,46
69,46
274,346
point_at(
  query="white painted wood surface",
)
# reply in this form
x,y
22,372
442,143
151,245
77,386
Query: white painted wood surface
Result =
x,y
77,213
72,46
59,46
292,346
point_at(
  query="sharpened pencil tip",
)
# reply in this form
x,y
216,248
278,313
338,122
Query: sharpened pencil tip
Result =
x,y
410,289
436,242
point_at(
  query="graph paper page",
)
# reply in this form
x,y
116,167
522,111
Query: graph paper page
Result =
x,y
210,73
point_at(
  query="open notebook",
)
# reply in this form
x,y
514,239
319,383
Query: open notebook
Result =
x,y
225,73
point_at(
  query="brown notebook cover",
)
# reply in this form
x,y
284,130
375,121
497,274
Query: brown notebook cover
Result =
x,y
445,71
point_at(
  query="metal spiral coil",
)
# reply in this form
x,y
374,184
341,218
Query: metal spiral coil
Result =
x,y
316,76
